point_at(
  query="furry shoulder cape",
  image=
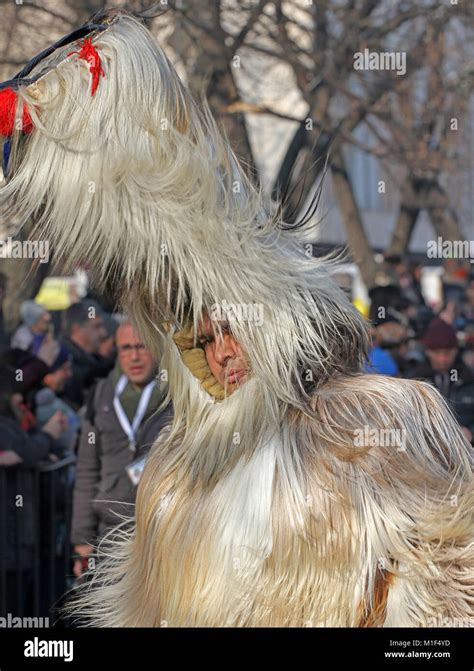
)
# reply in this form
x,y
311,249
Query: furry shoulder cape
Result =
x,y
298,527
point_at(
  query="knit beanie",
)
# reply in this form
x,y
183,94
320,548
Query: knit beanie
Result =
x,y
440,335
31,312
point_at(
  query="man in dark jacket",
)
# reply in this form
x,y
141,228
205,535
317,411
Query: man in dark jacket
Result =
x,y
114,441
83,331
445,370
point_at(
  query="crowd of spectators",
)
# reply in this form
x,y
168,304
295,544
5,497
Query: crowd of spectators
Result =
x,y
416,340
77,387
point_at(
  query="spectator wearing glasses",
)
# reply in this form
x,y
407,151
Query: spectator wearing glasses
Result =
x,y
120,426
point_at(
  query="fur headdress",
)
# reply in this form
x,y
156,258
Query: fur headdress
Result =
x,y
138,181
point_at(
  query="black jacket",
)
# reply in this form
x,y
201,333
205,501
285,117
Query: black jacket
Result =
x,y
18,481
86,369
457,389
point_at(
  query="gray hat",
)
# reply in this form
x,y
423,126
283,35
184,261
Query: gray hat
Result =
x,y
30,312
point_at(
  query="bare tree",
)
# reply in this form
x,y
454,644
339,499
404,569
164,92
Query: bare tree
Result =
x,y
217,42
318,41
423,137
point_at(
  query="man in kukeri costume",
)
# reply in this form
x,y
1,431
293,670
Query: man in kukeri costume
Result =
x,y
275,499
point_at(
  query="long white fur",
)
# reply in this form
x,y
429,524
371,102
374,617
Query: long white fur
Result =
x,y
291,525
258,510
138,181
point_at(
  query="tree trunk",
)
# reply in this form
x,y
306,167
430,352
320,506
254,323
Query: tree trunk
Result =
x,y
211,72
442,215
406,221
357,239
221,93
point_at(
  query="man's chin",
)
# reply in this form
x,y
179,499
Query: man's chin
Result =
x,y
138,380
230,387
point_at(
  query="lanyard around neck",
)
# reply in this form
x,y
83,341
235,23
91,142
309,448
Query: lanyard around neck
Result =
x,y
131,429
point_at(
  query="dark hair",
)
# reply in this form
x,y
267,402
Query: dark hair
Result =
x,y
78,313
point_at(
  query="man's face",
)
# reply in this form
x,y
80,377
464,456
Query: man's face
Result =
x,y
442,359
135,360
91,333
42,325
107,347
57,380
226,358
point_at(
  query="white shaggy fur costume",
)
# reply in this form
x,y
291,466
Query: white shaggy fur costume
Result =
x,y
259,508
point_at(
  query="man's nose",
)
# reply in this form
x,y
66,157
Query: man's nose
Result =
x,y
135,353
224,349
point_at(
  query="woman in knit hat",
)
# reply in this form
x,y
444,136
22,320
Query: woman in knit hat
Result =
x,y
35,322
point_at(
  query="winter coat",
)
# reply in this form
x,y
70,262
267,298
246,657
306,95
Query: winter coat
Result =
x,y
103,489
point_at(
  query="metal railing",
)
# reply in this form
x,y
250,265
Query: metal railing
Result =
x,y
35,550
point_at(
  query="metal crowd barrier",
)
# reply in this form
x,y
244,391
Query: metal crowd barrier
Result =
x,y
35,551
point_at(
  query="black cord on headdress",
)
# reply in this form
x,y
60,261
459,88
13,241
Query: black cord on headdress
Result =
x,y
21,78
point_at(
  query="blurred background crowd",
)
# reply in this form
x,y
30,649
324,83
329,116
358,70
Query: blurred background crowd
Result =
x,y
413,340
81,402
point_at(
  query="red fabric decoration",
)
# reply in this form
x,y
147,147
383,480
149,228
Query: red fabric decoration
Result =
x,y
90,54
8,103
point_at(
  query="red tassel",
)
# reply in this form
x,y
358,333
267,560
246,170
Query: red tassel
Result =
x,y
8,103
90,54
